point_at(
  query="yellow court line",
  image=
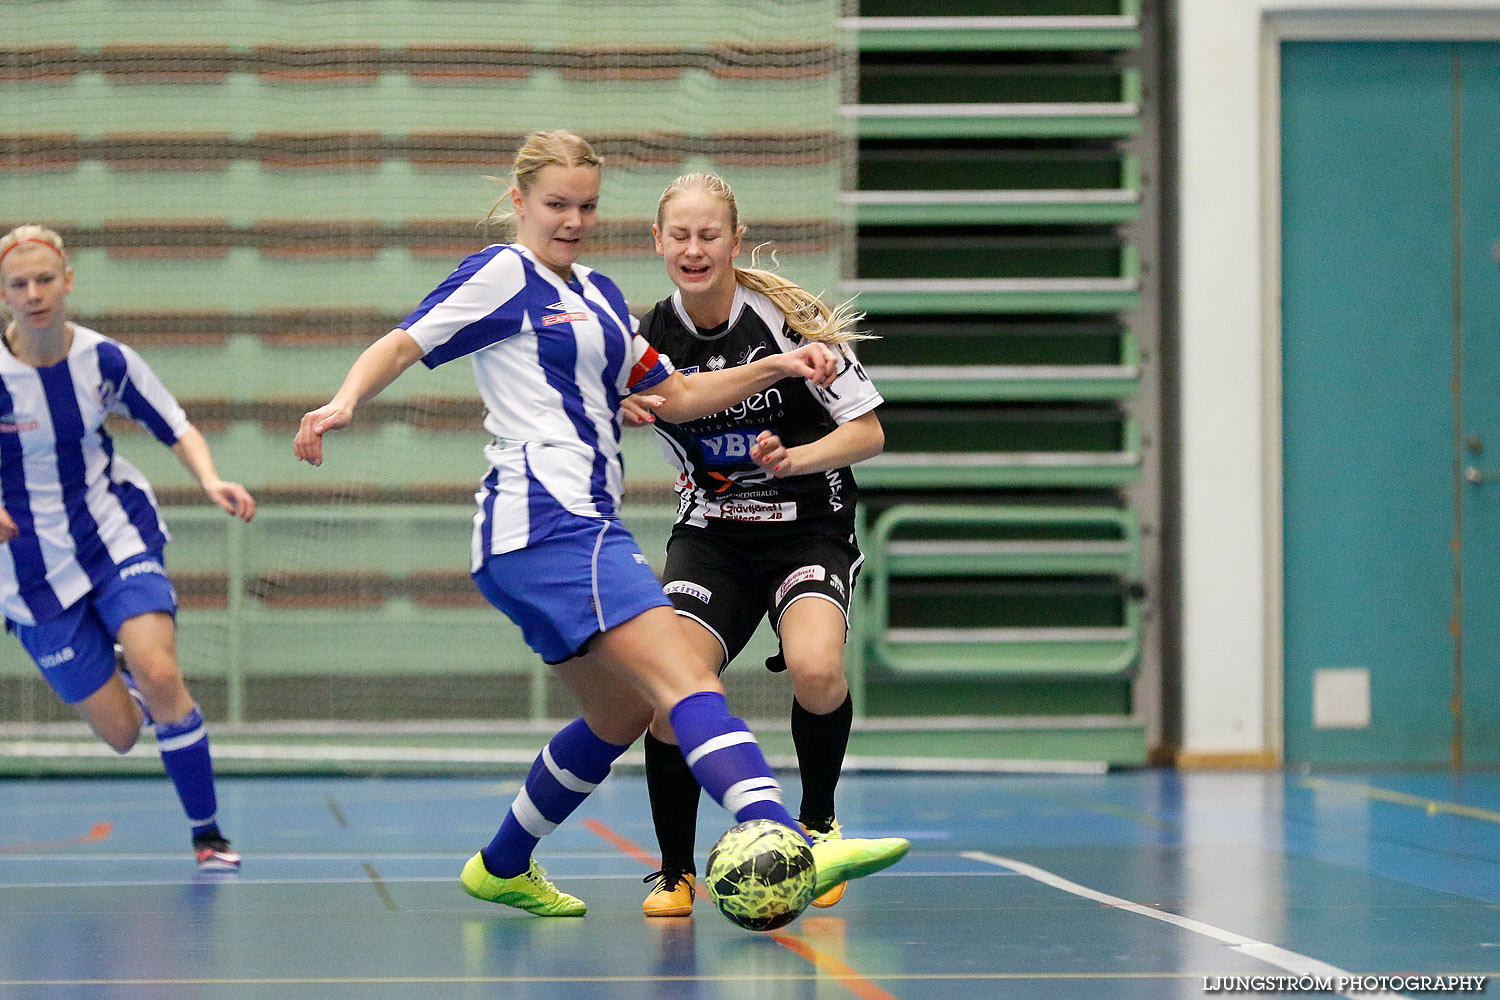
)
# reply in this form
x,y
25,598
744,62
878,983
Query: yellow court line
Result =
x,y
1432,806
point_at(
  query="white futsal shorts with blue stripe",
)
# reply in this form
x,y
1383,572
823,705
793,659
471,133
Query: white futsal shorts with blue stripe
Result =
x,y
552,359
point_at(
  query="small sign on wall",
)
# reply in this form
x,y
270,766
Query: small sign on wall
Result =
x,y
1341,698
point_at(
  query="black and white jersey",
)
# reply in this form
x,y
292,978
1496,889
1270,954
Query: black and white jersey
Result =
x,y
719,486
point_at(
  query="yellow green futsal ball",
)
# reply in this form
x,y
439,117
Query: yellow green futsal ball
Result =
x,y
760,875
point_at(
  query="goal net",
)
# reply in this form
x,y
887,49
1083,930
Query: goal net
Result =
x,y
253,190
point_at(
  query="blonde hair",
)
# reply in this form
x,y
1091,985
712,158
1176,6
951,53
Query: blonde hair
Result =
x,y
32,234
807,315
558,147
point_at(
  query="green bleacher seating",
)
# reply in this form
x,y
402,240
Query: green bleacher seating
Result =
x,y
999,196
1056,585
963,358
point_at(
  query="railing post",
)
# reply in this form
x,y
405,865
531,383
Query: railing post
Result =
x,y
234,661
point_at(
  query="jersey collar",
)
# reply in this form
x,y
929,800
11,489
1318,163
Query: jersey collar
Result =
x,y
735,308
575,269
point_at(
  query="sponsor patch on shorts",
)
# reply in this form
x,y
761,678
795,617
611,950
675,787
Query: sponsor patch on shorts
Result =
x,y
142,567
56,659
750,510
797,576
690,589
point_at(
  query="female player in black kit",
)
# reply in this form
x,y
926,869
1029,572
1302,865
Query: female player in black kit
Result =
x,y
766,507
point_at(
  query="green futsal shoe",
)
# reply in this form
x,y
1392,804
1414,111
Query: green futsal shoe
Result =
x,y
839,861
531,890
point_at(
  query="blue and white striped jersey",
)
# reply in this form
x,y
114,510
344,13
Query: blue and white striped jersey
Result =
x,y
81,509
553,359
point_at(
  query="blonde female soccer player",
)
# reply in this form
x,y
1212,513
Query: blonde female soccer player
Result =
x,y
765,524
81,560
554,352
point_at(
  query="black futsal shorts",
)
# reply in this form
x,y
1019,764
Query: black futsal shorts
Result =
x,y
727,584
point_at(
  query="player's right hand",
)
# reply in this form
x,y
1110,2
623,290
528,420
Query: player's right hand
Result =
x,y
813,361
8,529
636,410
307,444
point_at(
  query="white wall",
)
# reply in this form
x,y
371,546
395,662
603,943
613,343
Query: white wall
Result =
x,y
1230,410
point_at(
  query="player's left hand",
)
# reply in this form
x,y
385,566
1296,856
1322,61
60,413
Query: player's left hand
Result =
x,y
637,410
232,498
307,443
8,528
818,363
771,454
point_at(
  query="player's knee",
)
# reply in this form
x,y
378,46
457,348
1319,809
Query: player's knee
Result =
x,y
120,737
157,673
818,680
661,727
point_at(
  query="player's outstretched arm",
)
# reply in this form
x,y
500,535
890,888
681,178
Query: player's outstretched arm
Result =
x,y
849,442
371,372
192,451
688,397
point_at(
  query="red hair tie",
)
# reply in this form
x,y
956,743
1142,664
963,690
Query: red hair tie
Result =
x,y
33,239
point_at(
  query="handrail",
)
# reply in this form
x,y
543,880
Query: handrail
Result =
x,y
884,557
243,612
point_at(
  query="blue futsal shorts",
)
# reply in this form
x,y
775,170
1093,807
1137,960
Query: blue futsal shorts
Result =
x,y
583,578
76,649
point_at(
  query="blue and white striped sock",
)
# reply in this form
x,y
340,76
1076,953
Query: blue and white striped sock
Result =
x,y
726,760
569,767
184,753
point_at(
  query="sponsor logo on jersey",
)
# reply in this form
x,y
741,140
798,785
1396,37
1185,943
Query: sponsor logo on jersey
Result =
x,y
835,486
728,449
751,353
558,307
56,659
639,558
690,589
568,317
797,576
715,363
10,423
758,403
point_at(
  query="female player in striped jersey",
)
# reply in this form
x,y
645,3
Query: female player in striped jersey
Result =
x,y
765,524
554,351
81,563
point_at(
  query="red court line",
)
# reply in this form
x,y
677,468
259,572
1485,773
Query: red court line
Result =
x,y
624,844
97,833
847,977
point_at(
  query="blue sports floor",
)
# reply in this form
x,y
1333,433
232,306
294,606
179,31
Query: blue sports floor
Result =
x,y
1143,885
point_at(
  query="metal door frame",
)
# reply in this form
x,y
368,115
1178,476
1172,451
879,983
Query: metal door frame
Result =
x,y
1332,25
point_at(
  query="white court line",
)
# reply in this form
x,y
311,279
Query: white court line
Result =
x,y
227,750
1291,961
232,879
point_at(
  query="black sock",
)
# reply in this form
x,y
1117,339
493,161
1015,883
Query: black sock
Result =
x,y
674,803
821,742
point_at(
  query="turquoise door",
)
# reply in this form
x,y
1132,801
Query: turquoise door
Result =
x,y
1479,638
1391,398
